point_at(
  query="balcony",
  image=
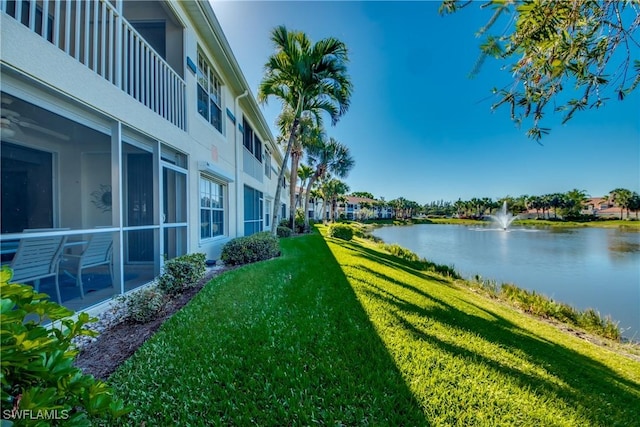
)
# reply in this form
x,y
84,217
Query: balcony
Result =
x,y
96,34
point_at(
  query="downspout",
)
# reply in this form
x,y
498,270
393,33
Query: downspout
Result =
x,y
238,161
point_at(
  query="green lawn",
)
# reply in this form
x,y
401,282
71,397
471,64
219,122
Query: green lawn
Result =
x,y
340,333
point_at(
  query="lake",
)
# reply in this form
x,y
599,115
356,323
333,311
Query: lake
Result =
x,y
584,267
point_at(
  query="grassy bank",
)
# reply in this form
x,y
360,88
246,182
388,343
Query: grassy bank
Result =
x,y
343,333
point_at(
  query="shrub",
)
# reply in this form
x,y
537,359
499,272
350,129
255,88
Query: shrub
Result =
x,y
543,306
284,231
421,263
284,222
247,249
299,221
401,252
37,363
145,304
182,272
340,231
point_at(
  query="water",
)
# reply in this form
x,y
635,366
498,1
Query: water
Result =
x,y
503,218
584,267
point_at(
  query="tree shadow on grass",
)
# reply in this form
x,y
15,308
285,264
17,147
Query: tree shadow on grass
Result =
x,y
360,357
392,261
590,384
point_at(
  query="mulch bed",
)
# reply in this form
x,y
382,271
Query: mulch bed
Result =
x,y
115,345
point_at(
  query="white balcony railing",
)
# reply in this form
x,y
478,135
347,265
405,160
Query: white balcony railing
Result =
x,y
95,33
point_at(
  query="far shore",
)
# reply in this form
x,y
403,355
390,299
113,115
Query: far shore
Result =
x,y
609,223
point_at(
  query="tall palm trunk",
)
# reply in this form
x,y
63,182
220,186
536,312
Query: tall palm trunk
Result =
x,y
324,211
276,203
295,162
307,192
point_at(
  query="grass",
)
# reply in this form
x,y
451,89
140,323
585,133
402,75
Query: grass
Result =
x,y
344,333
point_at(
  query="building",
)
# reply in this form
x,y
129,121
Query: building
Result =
x,y
129,120
362,208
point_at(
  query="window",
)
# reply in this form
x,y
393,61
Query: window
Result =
x,y
212,207
251,141
267,163
267,213
252,211
209,93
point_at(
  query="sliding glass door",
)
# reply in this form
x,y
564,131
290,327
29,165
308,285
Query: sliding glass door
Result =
x,y
174,216
139,191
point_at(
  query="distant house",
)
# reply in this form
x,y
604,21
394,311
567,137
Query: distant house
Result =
x,y
600,207
130,119
362,208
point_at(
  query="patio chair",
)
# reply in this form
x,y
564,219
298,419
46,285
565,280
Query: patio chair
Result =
x,y
37,259
98,251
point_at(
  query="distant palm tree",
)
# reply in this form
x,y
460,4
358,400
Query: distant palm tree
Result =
x,y
574,201
326,157
304,173
556,201
634,203
621,197
535,202
545,204
307,78
332,190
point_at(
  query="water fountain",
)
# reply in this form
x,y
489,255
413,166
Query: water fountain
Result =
x,y
503,218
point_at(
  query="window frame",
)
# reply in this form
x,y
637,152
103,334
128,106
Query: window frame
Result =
x,y
251,141
267,163
206,74
211,209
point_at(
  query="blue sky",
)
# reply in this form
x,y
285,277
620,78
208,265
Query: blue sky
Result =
x,y
418,126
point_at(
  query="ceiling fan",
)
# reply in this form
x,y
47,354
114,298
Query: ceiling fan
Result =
x,y
11,123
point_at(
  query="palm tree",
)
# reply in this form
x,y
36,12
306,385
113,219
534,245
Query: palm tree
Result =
x,y
575,200
634,203
535,202
305,127
305,172
307,78
327,157
332,189
545,204
315,195
459,206
621,197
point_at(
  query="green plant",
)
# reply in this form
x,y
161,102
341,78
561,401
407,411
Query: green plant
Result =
x,y
401,252
182,272
283,223
40,385
283,231
340,231
540,305
299,221
248,249
421,263
145,304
